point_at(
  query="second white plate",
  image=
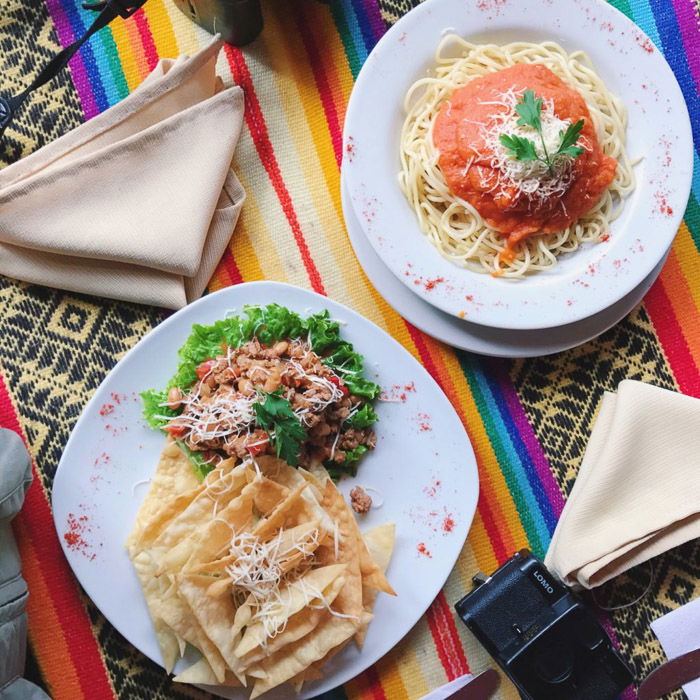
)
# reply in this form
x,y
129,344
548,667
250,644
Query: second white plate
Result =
x,y
583,283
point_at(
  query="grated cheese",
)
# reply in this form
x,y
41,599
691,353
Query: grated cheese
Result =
x,y
258,569
512,178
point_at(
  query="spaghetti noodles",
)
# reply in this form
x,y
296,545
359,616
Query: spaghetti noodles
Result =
x,y
454,225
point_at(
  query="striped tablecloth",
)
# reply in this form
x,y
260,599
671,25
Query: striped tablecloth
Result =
x,y
528,420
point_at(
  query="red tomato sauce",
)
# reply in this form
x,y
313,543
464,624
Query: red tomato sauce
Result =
x,y
465,158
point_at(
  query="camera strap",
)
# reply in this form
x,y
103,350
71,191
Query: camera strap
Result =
x,y
108,10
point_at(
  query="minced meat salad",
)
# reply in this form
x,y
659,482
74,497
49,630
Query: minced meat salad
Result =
x,y
268,382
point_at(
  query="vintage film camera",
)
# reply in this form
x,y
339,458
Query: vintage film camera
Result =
x,y
541,635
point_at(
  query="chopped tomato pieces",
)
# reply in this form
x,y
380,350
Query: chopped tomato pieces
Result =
x,y
174,429
336,380
204,368
259,446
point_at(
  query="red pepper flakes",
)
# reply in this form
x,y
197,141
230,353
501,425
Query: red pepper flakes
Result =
x,y
115,397
645,43
424,422
106,409
664,207
448,524
350,148
396,393
422,550
430,491
430,284
605,238
78,526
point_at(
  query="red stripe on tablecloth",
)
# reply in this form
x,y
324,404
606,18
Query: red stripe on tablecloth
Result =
x,y
228,262
373,684
149,46
671,337
322,84
258,129
447,642
35,523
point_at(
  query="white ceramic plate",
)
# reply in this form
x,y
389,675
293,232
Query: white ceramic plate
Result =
x,y
582,283
423,466
497,342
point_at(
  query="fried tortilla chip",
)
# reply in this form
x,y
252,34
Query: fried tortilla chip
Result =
x,y
298,656
380,543
372,575
276,519
153,590
178,615
298,626
173,486
205,544
202,508
279,471
310,589
216,617
200,673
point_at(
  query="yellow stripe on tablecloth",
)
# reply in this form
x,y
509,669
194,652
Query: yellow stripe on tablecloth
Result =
x,y
680,295
287,157
127,56
689,261
307,151
340,272
162,29
189,38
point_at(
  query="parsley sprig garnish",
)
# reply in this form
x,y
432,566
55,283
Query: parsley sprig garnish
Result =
x,y
529,111
276,416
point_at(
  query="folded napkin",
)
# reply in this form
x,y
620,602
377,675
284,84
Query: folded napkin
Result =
x,y
679,633
638,490
138,203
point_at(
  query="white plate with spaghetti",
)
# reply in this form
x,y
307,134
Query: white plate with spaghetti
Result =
x,y
423,469
611,247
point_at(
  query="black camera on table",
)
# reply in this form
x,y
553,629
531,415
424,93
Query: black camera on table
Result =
x,y
541,634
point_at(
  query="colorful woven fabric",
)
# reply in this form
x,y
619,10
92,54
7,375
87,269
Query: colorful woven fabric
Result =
x,y
528,420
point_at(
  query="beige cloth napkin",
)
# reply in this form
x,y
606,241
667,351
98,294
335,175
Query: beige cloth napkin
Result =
x,y
139,203
637,493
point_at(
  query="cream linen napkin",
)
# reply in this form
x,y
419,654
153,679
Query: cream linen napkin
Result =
x,y
138,203
637,493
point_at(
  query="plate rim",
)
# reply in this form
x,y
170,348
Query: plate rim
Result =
x,y
468,465
356,234
496,317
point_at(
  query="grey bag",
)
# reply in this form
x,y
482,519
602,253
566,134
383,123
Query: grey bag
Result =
x,y
15,478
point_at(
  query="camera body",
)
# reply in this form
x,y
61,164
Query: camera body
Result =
x,y
541,635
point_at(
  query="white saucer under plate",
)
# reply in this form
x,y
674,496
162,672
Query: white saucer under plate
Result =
x,y
496,342
583,283
423,468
